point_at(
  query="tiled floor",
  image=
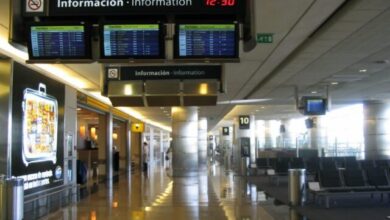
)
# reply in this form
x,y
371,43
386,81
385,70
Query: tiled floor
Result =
x,y
214,194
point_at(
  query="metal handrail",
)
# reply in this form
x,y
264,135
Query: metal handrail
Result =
x,y
43,194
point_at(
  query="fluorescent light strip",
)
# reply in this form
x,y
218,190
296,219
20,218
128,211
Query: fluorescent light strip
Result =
x,y
243,101
130,111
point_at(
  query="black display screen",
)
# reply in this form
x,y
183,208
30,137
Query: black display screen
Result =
x,y
206,41
132,41
315,106
58,42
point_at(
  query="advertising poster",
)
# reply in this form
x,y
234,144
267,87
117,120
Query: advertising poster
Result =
x,y
38,128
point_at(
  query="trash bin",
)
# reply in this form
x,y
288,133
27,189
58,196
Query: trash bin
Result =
x,y
3,189
15,199
244,165
296,187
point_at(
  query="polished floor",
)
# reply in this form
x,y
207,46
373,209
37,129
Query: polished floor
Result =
x,y
215,194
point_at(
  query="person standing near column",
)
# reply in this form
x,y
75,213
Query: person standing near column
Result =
x,y
145,153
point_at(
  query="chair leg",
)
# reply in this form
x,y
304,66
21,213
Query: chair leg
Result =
x,y
327,205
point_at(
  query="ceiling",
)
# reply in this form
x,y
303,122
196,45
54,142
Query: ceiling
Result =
x,y
316,43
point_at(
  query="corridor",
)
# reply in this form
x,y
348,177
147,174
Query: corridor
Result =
x,y
215,194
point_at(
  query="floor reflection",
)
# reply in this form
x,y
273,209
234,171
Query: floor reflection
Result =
x,y
214,194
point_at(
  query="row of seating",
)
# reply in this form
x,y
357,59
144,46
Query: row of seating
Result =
x,y
312,165
351,183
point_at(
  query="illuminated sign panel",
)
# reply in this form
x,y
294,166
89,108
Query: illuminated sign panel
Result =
x,y
206,41
129,7
132,41
56,41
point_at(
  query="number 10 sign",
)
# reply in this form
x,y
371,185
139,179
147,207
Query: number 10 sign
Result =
x,y
244,121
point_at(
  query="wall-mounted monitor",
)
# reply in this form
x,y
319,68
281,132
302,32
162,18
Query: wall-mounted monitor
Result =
x,y
314,105
132,41
58,42
206,41
309,123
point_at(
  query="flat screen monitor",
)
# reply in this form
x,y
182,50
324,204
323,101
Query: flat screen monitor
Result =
x,y
309,123
49,41
315,106
206,41
132,41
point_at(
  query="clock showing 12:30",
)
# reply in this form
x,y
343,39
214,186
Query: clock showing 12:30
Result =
x,y
220,3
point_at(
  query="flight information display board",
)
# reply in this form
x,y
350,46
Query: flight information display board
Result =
x,y
206,41
132,41
58,42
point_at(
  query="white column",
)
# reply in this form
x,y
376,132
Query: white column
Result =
x,y
377,130
202,143
151,147
109,146
185,141
227,145
241,133
318,134
269,142
286,134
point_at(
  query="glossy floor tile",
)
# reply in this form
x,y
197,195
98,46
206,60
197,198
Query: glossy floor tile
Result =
x,y
214,194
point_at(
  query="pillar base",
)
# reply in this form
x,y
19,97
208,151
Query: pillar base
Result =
x,y
184,173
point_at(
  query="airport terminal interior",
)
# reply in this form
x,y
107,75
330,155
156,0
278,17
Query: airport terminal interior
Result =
x,y
195,109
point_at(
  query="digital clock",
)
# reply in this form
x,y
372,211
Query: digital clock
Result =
x,y
220,3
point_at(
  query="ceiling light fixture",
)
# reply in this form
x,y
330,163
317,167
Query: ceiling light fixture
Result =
x,y
334,83
128,90
242,101
362,70
203,88
314,92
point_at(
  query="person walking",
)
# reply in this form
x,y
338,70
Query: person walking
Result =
x,y
168,157
145,156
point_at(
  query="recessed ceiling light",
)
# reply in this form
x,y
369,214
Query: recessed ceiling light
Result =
x,y
382,61
314,92
362,70
334,83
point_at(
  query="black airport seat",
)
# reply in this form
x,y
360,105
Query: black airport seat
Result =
x,y
282,166
339,161
367,164
297,163
328,163
378,177
354,179
262,163
312,166
272,162
330,180
382,164
351,163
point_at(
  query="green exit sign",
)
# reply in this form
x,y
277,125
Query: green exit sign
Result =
x,y
265,38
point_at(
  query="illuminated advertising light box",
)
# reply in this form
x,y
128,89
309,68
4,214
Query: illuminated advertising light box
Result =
x,y
206,41
38,130
59,42
132,41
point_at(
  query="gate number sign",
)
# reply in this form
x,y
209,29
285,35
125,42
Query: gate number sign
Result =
x,y
244,121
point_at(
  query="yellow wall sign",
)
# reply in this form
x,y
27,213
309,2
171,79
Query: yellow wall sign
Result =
x,y
137,127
